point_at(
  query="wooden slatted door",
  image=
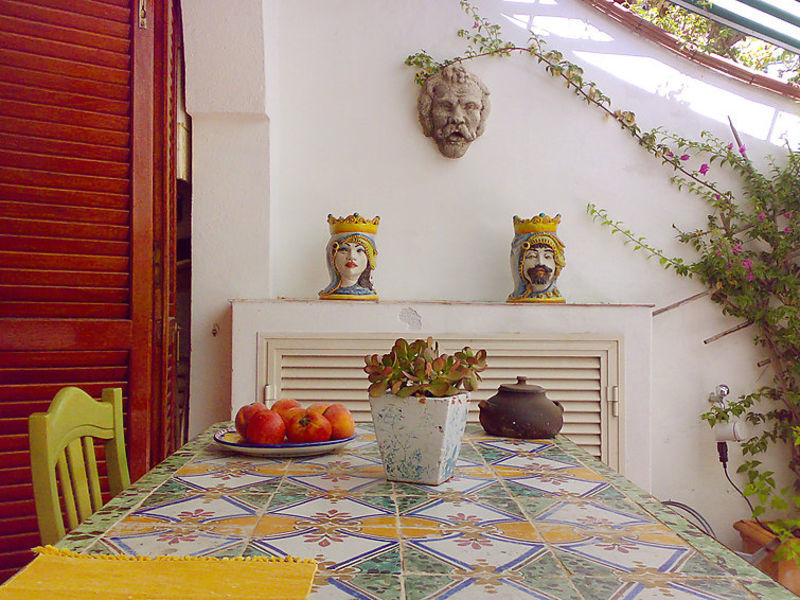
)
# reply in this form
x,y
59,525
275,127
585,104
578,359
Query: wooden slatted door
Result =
x,y
77,277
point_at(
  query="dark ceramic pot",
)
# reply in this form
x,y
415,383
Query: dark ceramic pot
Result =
x,y
523,411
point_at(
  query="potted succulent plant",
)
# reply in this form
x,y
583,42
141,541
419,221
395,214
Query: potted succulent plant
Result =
x,y
419,400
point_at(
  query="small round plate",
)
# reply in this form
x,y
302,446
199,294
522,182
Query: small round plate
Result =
x,y
230,439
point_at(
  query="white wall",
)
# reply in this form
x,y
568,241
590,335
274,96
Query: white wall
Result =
x,y
229,100
301,109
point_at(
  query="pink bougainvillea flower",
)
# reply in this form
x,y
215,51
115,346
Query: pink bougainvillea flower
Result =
x,y
742,149
685,157
703,169
761,217
716,196
747,264
668,153
737,248
750,276
730,146
728,266
718,252
787,229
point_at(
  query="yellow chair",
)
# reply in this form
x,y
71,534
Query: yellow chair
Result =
x,y
61,440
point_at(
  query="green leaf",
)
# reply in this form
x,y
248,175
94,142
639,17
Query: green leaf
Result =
x,y
377,389
408,391
439,387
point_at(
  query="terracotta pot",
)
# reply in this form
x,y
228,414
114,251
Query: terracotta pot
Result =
x,y
754,537
522,411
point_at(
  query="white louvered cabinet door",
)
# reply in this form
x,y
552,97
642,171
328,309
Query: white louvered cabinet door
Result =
x,y
581,373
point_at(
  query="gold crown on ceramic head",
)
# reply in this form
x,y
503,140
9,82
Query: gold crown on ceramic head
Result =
x,y
536,224
354,223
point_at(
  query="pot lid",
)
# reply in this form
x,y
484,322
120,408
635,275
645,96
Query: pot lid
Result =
x,y
522,386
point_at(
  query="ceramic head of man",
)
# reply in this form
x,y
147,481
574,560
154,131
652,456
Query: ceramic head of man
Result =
x,y
537,258
453,107
538,266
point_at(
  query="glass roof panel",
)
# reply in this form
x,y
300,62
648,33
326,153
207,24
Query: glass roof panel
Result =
x,y
775,21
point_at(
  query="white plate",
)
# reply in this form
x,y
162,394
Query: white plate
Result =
x,y
231,440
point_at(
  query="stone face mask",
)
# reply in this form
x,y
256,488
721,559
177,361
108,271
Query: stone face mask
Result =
x,y
453,106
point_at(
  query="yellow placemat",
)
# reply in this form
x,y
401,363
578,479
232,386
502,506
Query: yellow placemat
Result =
x,y
60,574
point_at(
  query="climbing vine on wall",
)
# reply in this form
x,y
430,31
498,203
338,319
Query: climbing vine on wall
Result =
x,y
484,40
747,256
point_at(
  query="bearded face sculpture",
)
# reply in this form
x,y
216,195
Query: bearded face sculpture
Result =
x,y
453,106
538,267
537,257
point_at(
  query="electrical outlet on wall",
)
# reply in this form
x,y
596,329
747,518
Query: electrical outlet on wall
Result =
x,y
732,431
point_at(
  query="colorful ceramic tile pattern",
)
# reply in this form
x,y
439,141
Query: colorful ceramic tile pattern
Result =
x,y
519,520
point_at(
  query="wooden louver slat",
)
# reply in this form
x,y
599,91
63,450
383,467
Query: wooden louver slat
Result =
x,y
61,131
71,116
66,246
35,194
63,261
67,228
89,26
19,41
60,33
83,278
79,102
62,84
64,294
47,64
63,180
107,11
67,214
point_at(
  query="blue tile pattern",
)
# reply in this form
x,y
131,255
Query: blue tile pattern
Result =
x,y
519,520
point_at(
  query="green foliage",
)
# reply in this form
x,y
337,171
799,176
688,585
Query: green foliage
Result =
x,y
699,33
418,369
747,257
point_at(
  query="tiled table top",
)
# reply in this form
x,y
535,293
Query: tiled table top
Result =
x,y
520,520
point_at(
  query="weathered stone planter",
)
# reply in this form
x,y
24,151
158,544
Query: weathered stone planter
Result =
x,y
419,438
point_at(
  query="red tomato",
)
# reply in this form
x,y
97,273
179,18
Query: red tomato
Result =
x,y
307,428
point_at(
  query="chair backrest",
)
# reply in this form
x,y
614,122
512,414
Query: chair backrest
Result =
x,y
61,441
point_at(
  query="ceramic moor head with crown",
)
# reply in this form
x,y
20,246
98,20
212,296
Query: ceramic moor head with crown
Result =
x,y
537,257
350,256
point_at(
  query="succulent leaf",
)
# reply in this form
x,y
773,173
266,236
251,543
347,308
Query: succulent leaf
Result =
x,y
377,389
417,368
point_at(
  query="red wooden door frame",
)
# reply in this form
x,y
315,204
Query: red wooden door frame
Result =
x,y
140,388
